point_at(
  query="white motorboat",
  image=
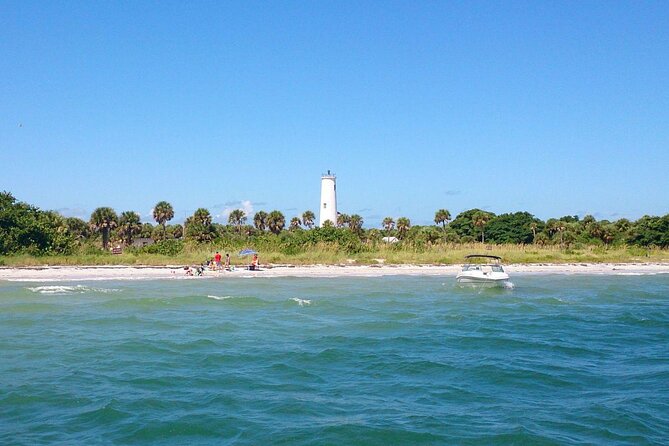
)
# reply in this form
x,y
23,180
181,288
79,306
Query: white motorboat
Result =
x,y
481,269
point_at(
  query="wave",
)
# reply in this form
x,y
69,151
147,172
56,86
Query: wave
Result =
x,y
66,289
241,301
211,296
301,302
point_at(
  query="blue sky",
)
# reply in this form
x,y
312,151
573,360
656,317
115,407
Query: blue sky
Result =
x,y
551,107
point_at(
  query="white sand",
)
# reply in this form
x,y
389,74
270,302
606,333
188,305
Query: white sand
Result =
x,y
72,273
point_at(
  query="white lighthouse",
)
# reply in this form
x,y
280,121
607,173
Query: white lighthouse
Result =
x,y
328,199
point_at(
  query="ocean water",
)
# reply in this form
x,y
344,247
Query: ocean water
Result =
x,y
557,360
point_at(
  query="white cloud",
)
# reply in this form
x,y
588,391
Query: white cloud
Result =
x,y
74,212
244,205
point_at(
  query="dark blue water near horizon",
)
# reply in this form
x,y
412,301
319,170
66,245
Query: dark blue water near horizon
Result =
x,y
557,360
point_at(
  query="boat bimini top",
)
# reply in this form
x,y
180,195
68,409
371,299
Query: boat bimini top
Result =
x,y
485,256
494,266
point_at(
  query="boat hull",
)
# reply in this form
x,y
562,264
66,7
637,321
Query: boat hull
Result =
x,y
483,280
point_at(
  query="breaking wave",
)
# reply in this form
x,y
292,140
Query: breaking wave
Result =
x,y
301,302
211,296
67,289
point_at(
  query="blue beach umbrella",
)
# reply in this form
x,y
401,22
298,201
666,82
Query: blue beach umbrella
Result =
x,y
246,252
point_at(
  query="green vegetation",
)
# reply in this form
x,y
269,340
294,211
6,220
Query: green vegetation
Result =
x,y
30,236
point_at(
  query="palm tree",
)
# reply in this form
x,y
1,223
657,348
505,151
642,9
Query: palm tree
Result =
x,y
588,220
541,239
561,227
355,223
622,225
557,226
295,223
342,220
147,230
403,225
308,219
129,225
103,220
533,227
202,217
276,222
595,230
162,213
198,226
237,218
608,233
442,216
178,231
260,220
480,220
388,224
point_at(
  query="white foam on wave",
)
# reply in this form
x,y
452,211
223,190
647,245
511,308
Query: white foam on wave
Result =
x,y
509,285
301,302
53,289
68,289
211,296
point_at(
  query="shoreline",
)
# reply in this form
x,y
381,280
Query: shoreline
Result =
x,y
139,272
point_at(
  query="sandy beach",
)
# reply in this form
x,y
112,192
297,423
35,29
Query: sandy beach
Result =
x,y
84,273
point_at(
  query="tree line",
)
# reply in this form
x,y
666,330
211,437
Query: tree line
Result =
x,y
27,229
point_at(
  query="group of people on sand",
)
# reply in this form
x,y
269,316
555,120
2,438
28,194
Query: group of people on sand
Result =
x,y
216,264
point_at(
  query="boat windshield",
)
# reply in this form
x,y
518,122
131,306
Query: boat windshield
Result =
x,y
483,267
471,267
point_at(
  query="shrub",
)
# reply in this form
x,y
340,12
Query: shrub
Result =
x,y
93,250
169,247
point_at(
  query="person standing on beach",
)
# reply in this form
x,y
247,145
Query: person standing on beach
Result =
x,y
217,259
254,262
227,261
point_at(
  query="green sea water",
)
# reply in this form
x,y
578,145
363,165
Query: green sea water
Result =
x,y
557,360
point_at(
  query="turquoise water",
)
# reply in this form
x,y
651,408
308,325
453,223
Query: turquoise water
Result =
x,y
395,360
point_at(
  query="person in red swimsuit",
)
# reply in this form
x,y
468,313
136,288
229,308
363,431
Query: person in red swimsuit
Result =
x,y
217,259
